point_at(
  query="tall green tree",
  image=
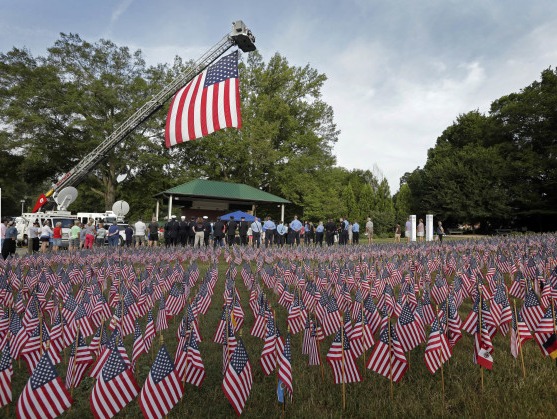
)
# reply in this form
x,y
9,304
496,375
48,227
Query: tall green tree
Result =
x,y
57,108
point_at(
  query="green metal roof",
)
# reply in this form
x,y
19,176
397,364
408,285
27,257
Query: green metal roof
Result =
x,y
201,188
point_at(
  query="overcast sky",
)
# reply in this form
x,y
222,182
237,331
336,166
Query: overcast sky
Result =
x,y
399,72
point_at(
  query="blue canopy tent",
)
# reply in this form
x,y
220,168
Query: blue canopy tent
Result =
x,y
238,215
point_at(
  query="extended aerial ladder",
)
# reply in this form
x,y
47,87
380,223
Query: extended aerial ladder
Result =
x,y
240,36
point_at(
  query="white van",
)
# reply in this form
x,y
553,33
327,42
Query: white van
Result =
x,y
64,217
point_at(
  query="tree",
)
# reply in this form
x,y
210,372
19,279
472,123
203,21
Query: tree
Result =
x,y
285,144
58,108
403,204
367,201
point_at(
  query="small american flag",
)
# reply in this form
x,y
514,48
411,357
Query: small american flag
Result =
x,y
6,372
341,360
162,389
285,369
115,387
44,395
189,364
531,311
388,357
80,360
437,351
208,103
238,379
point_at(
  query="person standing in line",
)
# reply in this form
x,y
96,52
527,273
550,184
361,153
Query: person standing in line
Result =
x,y
57,237
350,233
319,232
269,227
33,237
256,229
112,235
231,228
397,233
243,230
191,234
44,235
153,232
440,231
128,232
174,231
75,235
140,229
218,234
183,231
282,232
295,227
3,228
369,230
101,235
420,231
10,240
330,230
408,230
199,234
356,232
207,230
90,234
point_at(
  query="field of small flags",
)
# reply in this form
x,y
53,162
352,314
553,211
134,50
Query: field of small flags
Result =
x,y
463,328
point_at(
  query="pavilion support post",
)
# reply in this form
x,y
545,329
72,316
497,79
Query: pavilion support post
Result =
x,y
170,198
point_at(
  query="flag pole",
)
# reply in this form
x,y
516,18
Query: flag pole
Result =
x,y
343,369
363,331
553,316
73,365
390,355
519,340
480,337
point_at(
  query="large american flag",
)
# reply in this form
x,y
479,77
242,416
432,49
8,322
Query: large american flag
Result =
x,y
208,103
162,389
238,379
44,395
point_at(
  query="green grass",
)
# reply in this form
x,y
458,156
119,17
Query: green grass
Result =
x,y
505,392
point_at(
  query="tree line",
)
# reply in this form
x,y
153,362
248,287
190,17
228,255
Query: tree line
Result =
x,y
499,169
496,169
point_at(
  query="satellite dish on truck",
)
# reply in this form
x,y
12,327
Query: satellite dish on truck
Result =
x,y
120,208
65,197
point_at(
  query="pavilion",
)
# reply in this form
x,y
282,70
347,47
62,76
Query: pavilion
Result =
x,y
211,198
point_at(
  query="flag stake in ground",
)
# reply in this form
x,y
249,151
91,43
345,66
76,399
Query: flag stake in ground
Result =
x,y
480,332
390,356
519,341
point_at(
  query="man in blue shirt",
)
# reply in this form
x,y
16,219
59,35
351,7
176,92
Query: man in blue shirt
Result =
x,y
256,229
296,226
10,239
269,228
113,234
355,232
319,231
281,233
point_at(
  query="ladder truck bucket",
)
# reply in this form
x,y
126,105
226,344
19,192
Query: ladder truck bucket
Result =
x,y
242,36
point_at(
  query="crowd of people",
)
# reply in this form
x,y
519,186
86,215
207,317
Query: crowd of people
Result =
x,y
201,232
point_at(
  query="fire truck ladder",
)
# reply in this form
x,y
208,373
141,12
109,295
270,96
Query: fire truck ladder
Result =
x,y
240,36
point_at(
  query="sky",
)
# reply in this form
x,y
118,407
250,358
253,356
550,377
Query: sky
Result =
x,y
398,72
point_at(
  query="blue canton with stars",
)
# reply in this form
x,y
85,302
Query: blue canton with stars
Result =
x,y
114,366
162,367
225,68
239,357
44,373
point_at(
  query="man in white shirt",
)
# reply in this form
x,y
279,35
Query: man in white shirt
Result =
x,y
369,230
140,229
